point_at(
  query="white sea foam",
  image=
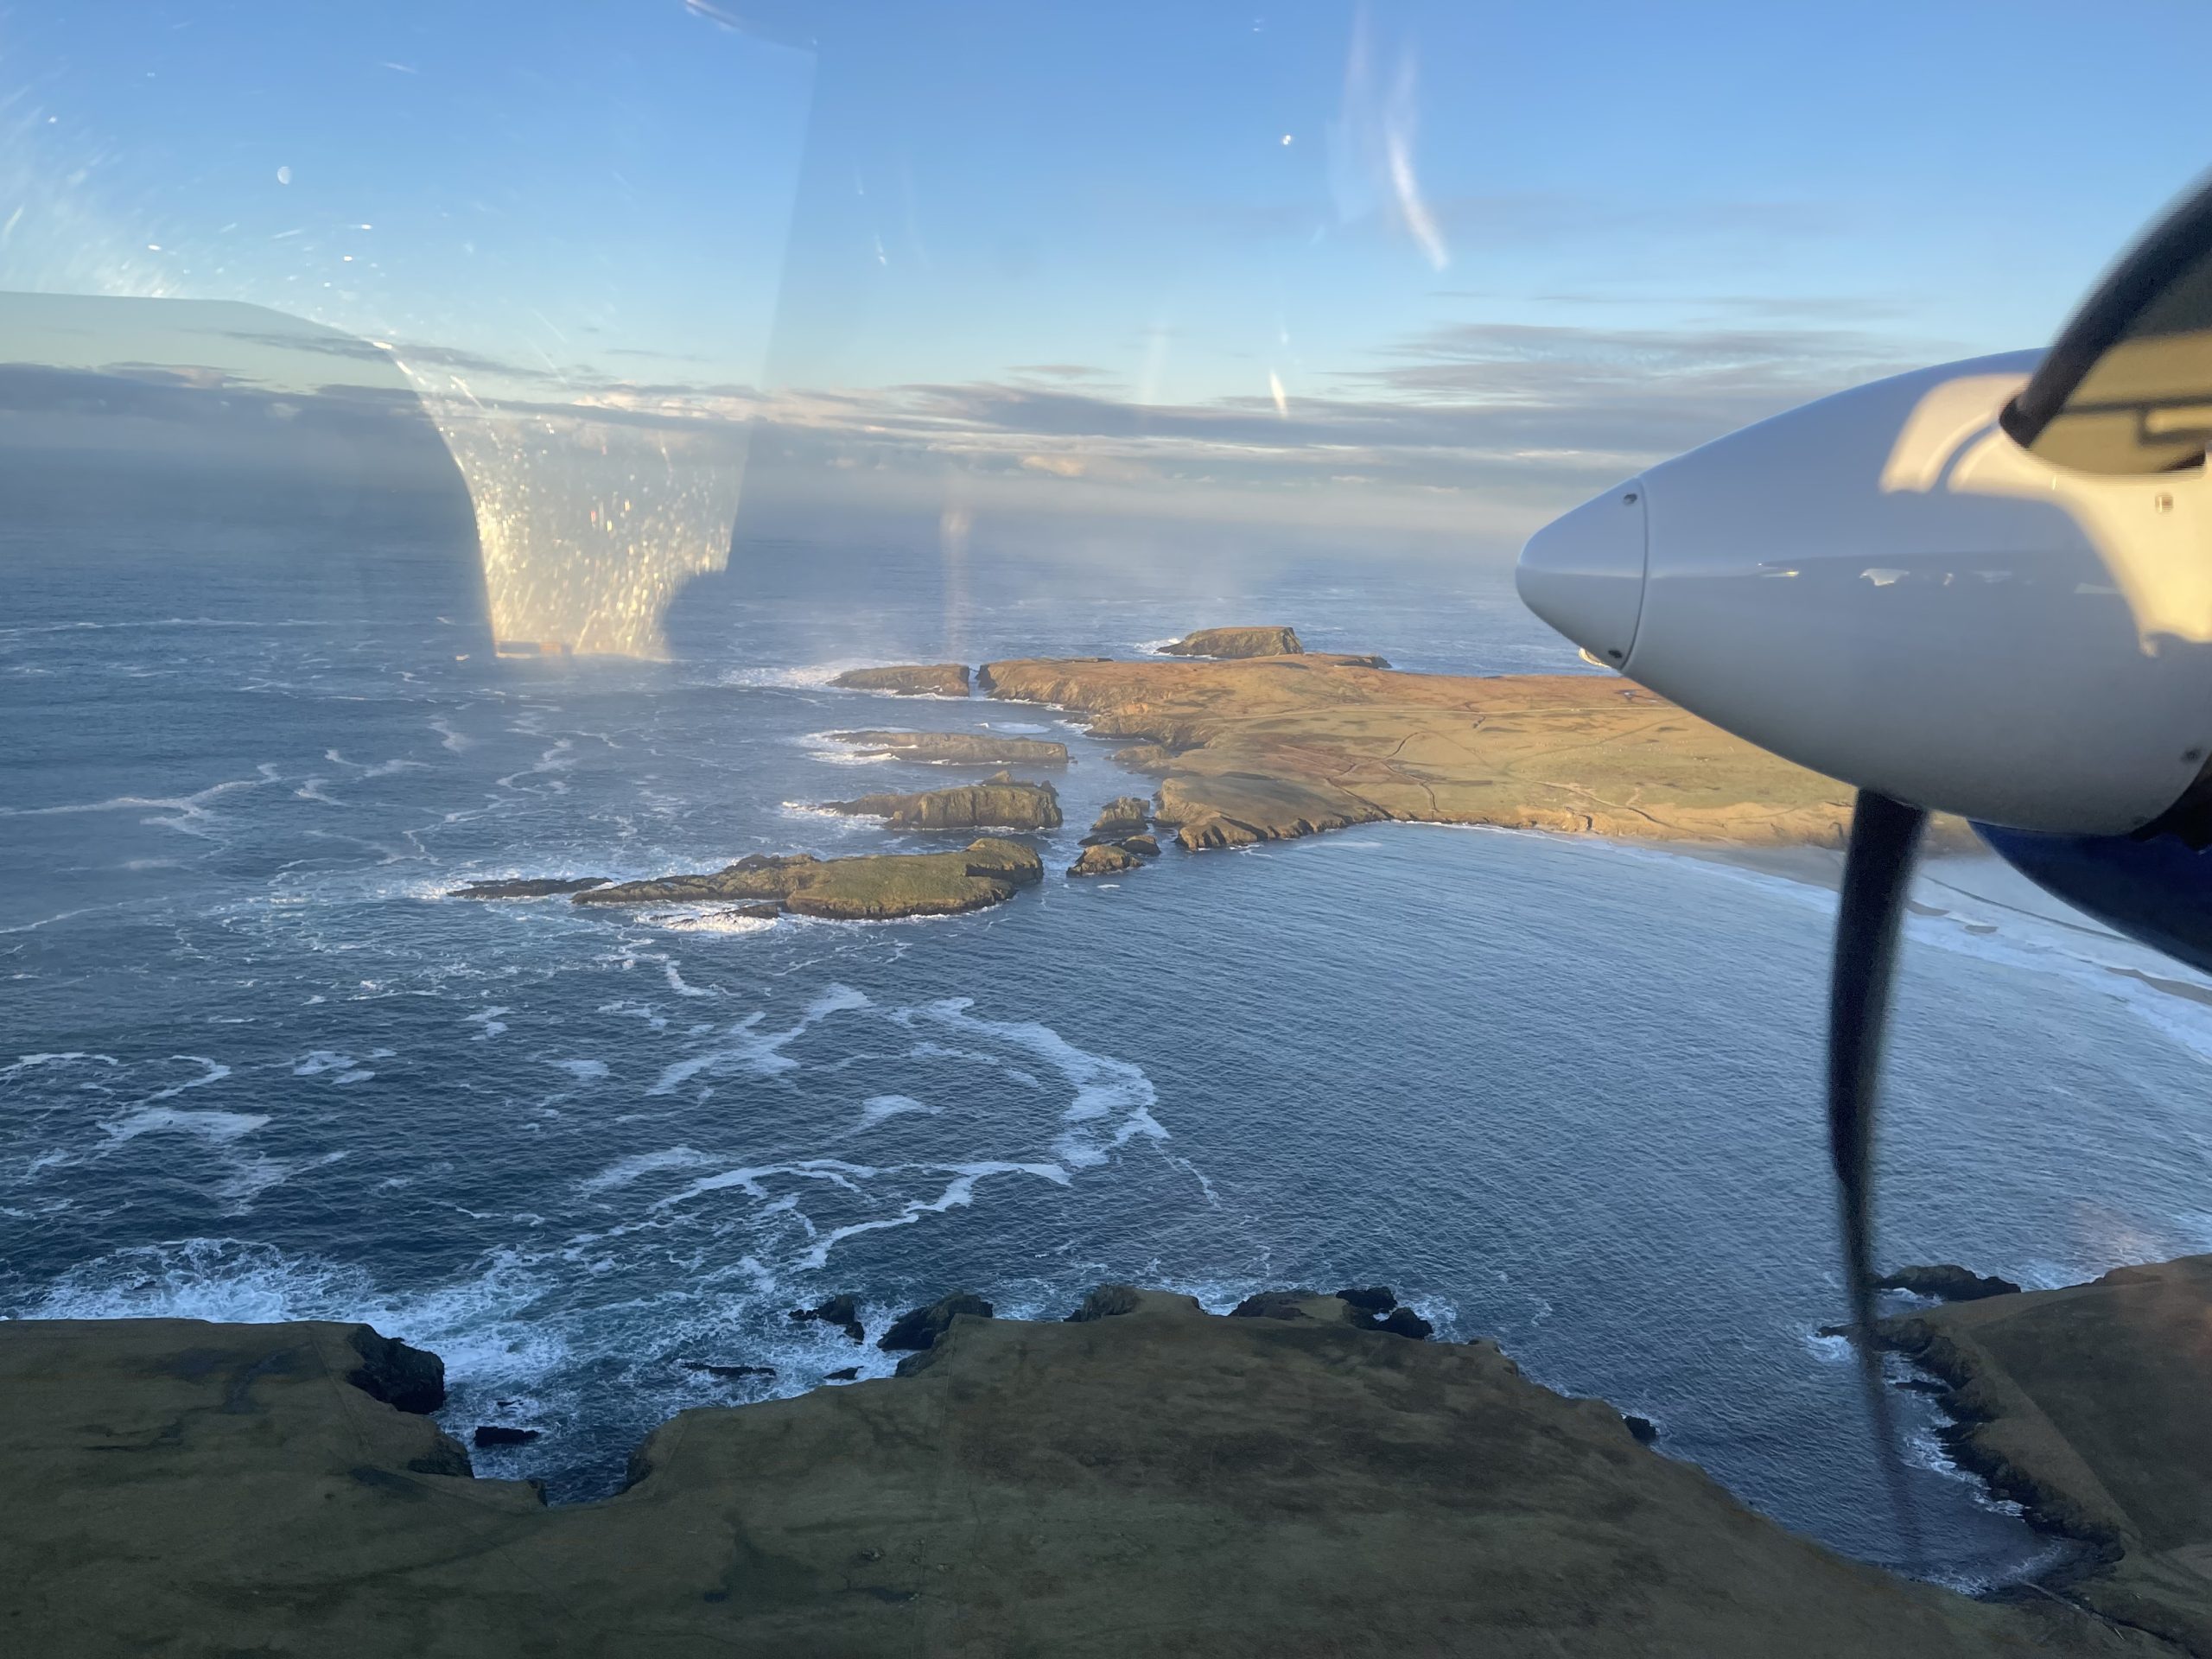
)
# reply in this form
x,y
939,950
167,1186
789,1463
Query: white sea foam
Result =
x,y
378,769
848,821
584,1070
312,791
806,675
448,738
219,1128
876,1108
827,748
1103,1086
728,922
34,1062
490,1023
342,1068
193,812
623,1171
835,1171
959,1194
258,1174
479,1326
216,1072
748,1049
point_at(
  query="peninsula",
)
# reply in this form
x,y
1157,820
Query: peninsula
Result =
x,y
1262,748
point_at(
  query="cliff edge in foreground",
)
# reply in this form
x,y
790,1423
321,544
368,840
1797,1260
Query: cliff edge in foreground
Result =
x,y
2087,1406
1155,1481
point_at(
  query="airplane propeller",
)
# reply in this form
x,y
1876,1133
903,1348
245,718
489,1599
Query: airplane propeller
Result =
x,y
1984,588
1877,872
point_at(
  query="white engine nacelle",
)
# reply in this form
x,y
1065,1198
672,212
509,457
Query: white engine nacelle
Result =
x,y
1885,587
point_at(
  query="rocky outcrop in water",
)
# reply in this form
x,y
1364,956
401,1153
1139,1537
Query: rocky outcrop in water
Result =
x,y
1236,642
909,679
959,748
1104,858
999,802
1125,815
1271,747
877,886
528,886
842,1311
734,1373
1947,1282
919,1328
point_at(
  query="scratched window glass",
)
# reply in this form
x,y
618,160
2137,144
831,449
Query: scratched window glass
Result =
x,y
749,749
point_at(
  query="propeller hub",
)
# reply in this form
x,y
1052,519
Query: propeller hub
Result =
x,y
1584,574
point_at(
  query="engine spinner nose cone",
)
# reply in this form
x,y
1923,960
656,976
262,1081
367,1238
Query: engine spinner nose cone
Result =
x,y
1584,573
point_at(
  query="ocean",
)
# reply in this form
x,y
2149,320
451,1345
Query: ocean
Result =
x,y
254,1065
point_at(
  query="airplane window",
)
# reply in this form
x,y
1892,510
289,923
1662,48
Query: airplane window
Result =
x,y
788,869
2128,388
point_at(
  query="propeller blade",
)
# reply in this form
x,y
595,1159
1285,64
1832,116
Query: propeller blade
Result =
x,y
1877,870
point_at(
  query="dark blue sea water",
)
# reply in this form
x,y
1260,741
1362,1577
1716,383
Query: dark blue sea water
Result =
x,y
254,1066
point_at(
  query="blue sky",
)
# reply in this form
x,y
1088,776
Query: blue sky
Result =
x,y
1063,252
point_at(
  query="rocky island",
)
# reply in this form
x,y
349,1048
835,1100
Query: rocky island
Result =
x,y
879,887
1120,840
1236,642
909,679
999,802
1143,1478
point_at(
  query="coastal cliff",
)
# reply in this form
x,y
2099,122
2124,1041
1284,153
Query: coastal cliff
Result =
x,y
1144,1479
2086,1406
999,802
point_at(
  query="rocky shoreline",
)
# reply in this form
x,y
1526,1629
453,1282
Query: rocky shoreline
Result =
x,y
1308,1475
2085,1406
